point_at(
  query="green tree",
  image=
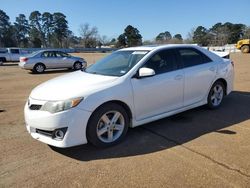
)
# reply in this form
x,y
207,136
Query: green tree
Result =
x,y
236,32
121,41
71,40
22,30
60,28
133,36
36,28
112,41
34,37
219,34
246,34
47,27
201,36
6,31
178,36
163,37
227,33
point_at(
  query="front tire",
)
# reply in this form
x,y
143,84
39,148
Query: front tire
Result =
x,y
216,95
77,65
108,125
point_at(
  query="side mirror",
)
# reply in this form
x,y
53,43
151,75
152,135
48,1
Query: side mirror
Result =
x,y
146,72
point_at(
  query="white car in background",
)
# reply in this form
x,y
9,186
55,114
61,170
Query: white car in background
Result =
x,y
39,61
128,88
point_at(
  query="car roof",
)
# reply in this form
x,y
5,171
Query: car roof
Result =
x,y
211,55
51,50
157,47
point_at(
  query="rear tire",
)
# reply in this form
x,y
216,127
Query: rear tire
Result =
x,y
245,49
108,125
39,68
216,95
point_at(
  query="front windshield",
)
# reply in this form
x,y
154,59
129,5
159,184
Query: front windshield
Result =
x,y
117,63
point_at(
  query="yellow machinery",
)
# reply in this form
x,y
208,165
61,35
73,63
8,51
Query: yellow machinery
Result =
x,y
243,45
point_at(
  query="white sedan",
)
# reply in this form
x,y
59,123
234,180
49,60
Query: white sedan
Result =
x,y
39,61
128,88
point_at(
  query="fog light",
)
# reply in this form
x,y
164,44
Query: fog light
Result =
x,y
59,133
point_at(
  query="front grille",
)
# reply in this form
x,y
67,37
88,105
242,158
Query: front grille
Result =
x,y
44,132
35,107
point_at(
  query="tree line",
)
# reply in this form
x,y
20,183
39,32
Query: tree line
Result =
x,y
220,34
51,30
38,30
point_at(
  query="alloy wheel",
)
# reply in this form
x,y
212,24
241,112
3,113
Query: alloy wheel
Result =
x,y
39,68
110,126
217,95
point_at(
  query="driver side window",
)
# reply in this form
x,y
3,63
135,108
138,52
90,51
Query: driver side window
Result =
x,y
162,62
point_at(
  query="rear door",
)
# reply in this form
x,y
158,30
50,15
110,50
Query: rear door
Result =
x,y
199,72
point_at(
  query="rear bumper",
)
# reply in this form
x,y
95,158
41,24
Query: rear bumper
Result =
x,y
26,66
230,80
74,120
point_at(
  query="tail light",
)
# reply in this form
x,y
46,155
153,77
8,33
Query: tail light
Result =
x,y
24,59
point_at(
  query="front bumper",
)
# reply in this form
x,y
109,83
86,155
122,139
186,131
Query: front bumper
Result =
x,y
74,119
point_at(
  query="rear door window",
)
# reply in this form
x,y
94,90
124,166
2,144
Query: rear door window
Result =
x,y
192,57
48,54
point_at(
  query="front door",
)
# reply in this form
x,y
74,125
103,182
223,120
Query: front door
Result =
x,y
162,92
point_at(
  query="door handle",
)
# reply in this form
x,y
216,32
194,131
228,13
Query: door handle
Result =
x,y
178,77
212,69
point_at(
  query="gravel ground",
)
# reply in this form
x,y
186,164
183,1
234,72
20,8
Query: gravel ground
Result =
x,y
197,148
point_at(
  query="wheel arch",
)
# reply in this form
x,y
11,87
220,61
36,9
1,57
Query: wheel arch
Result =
x,y
121,103
222,80
33,68
40,63
77,61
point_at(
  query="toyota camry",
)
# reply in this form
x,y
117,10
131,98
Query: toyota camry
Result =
x,y
128,88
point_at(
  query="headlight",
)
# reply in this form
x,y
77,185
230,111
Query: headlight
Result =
x,y
58,106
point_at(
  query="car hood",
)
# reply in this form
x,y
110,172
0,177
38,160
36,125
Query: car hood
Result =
x,y
72,85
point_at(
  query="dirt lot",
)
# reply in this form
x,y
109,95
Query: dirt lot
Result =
x,y
198,148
